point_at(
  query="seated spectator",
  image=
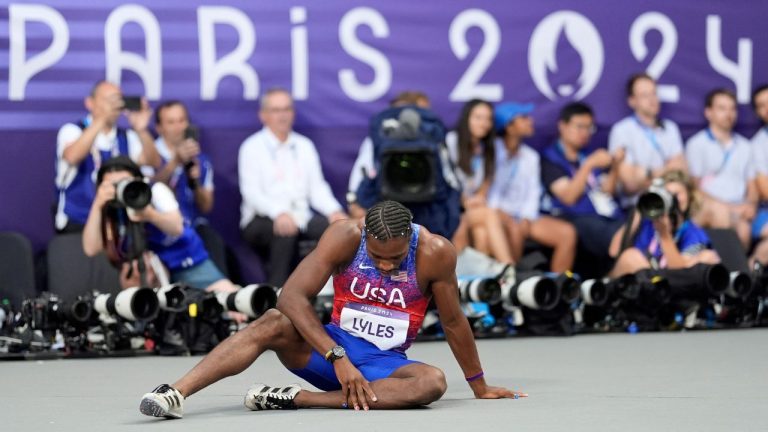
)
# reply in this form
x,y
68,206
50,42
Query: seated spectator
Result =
x,y
281,182
760,161
580,185
189,173
364,163
516,189
652,146
673,240
168,236
83,146
471,148
720,162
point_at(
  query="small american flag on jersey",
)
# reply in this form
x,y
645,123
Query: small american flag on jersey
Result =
x,y
400,276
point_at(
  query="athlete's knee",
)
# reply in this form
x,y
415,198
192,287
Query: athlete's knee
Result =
x,y
269,325
432,386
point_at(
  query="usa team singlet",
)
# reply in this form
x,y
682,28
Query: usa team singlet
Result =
x,y
385,310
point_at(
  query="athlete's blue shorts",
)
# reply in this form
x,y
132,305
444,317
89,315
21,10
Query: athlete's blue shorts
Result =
x,y
372,362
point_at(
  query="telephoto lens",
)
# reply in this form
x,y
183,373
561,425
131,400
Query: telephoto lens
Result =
x,y
656,201
595,292
252,300
132,304
485,290
172,298
694,283
133,193
569,287
533,290
739,286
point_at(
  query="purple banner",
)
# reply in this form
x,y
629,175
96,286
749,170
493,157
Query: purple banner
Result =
x,y
344,61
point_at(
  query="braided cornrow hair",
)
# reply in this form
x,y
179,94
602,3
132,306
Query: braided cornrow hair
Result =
x,y
387,220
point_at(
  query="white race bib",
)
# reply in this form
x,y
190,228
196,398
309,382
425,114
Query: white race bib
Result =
x,y
382,327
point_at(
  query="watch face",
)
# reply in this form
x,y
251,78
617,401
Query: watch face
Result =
x,y
338,351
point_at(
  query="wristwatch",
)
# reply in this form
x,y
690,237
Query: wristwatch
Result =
x,y
335,353
351,197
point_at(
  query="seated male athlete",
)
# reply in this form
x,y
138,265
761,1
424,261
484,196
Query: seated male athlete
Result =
x,y
385,273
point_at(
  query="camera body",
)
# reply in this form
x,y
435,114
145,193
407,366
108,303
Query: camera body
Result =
x,y
657,201
133,193
132,103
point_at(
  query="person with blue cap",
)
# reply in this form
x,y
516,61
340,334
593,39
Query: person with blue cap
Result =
x,y
516,189
471,148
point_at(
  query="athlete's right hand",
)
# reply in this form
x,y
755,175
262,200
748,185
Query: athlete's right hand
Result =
x,y
357,390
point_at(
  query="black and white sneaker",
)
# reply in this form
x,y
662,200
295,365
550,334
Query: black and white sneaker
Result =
x,y
164,401
263,397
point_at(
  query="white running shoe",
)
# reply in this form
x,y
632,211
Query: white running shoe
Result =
x,y
164,401
263,397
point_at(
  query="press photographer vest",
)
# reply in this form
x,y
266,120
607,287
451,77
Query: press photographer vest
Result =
x,y
177,253
78,196
386,311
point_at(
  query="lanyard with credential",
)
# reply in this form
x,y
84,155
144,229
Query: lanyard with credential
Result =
x,y
591,179
726,153
651,137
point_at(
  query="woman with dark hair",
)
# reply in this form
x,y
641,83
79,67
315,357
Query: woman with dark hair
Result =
x,y
672,240
471,147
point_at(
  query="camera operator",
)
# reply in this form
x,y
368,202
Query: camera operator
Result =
x,y
168,236
670,239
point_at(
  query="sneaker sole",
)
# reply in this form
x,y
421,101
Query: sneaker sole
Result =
x,y
151,408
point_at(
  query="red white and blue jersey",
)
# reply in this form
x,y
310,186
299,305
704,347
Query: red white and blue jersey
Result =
x,y
385,310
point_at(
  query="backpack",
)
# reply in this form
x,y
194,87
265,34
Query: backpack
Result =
x,y
412,167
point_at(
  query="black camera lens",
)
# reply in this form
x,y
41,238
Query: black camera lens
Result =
x,y
135,194
408,173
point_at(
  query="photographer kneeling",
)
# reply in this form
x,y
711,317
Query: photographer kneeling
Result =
x,y
664,236
176,244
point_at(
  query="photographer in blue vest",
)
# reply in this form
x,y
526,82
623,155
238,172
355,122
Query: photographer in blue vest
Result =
x,y
82,147
167,234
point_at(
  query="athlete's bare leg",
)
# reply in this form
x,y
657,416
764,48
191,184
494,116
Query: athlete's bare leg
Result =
x,y
237,352
410,386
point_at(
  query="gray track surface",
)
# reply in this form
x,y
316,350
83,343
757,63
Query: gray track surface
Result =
x,y
695,381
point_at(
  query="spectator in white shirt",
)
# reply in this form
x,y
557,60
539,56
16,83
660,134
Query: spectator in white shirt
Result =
x,y
720,161
281,183
760,160
653,146
516,189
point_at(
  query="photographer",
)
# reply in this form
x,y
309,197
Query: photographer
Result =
x,y
168,236
670,240
186,170
83,146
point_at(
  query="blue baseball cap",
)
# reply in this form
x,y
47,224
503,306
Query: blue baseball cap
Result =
x,y
508,111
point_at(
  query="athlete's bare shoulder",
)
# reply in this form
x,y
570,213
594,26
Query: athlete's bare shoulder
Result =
x,y
435,255
340,241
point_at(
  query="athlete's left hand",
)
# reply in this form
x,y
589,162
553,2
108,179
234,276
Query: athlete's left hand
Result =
x,y
490,392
